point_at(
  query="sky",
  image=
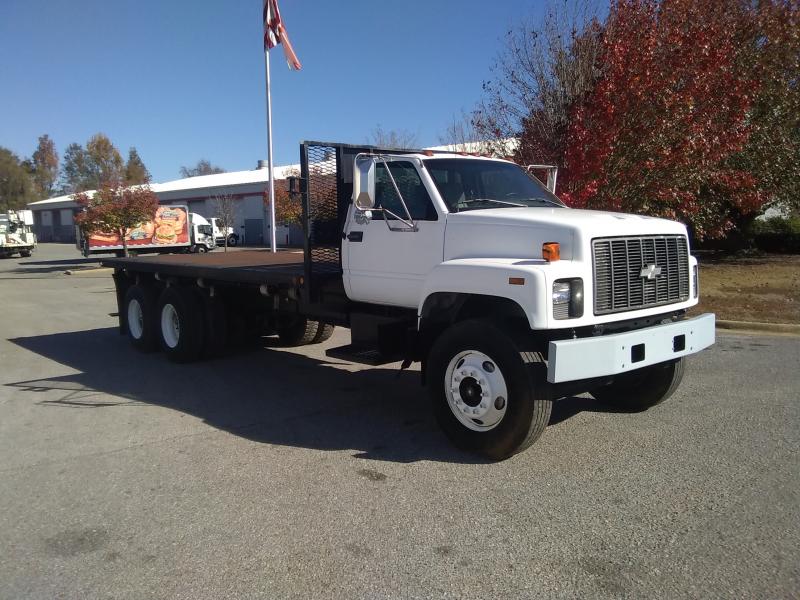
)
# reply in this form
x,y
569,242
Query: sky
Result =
x,y
183,80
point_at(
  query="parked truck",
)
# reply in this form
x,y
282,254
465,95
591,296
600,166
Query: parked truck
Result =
x,y
16,235
172,229
221,233
468,265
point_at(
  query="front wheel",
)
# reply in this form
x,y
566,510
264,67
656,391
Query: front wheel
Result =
x,y
642,388
487,397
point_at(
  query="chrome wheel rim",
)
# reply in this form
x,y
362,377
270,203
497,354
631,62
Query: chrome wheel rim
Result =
x,y
476,390
170,325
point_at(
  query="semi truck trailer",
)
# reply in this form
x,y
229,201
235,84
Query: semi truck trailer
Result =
x,y
468,265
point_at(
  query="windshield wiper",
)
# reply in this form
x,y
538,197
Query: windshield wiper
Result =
x,y
549,201
504,202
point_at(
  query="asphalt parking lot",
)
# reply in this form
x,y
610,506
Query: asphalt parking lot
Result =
x,y
282,474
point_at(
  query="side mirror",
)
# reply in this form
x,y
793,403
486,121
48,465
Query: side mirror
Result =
x,y
552,175
364,182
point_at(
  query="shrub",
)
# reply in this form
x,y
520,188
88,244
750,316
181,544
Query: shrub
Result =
x,y
778,234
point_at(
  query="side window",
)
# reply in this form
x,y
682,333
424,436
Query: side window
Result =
x,y
410,185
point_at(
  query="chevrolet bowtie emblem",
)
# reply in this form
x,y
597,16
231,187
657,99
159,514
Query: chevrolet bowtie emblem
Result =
x,y
650,272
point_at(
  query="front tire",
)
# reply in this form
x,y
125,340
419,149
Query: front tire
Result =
x,y
486,395
181,324
640,389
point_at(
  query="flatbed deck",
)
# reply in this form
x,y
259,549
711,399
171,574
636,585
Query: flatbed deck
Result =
x,y
239,266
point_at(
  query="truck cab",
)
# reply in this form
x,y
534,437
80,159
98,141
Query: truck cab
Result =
x,y
202,234
221,234
16,235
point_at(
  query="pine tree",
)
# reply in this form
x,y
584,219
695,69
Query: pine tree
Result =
x,y
135,171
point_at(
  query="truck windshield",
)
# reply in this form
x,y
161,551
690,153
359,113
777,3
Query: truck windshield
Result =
x,y
469,184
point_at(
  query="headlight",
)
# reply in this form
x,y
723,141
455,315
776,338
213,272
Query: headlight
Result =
x,y
568,298
562,291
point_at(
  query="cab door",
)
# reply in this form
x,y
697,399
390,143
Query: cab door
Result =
x,y
386,256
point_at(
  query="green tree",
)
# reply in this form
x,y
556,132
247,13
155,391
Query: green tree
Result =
x,y
770,51
16,185
75,171
105,162
99,164
135,171
45,166
203,167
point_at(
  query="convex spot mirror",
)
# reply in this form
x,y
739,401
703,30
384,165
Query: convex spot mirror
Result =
x,y
364,182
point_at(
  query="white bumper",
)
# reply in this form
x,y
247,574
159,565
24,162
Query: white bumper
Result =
x,y
570,360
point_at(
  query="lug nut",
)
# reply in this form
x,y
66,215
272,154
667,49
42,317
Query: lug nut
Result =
x,y
500,403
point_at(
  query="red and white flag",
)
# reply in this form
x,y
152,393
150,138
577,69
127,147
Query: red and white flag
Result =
x,y
275,33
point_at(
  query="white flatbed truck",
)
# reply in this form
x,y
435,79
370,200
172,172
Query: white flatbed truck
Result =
x,y
468,265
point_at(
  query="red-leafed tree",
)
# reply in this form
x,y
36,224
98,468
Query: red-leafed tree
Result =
x,y
657,133
115,209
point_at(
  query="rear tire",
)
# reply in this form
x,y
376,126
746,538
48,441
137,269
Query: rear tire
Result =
x,y
297,331
181,324
640,389
139,313
485,393
216,341
233,239
25,253
324,333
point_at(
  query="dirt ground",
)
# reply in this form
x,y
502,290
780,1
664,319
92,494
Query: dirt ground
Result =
x,y
764,288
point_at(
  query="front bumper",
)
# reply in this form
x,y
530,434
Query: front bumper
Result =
x,y
569,360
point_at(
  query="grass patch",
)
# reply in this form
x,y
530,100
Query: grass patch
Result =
x,y
764,288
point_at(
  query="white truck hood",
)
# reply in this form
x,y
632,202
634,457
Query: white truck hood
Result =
x,y
520,232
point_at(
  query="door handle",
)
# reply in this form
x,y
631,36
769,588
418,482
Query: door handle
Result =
x,y
355,236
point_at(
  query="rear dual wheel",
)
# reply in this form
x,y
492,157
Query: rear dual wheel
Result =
x,y
139,317
299,330
181,323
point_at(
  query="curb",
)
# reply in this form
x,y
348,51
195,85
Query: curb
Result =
x,y
785,328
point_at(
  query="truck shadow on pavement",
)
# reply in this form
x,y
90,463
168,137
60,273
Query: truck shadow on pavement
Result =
x,y
269,396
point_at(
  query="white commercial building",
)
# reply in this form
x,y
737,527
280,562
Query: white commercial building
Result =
x,y
54,217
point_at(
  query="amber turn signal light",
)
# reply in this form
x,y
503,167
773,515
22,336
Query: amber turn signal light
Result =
x,y
551,251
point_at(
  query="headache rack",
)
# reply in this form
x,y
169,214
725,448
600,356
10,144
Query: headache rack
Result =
x,y
326,186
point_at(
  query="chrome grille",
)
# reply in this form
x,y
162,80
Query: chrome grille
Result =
x,y
618,264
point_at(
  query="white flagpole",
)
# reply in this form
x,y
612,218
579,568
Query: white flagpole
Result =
x,y
273,245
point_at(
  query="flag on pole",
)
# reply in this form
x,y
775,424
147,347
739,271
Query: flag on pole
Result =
x,y
275,33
